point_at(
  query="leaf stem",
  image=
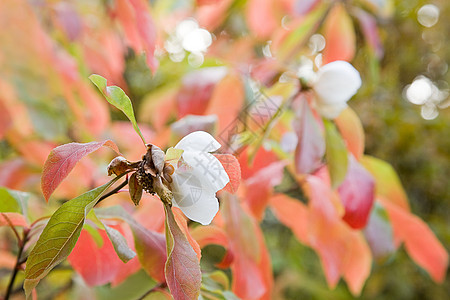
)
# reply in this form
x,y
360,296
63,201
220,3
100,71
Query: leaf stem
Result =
x,y
18,263
153,289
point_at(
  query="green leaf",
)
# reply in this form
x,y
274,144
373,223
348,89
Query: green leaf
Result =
x,y
13,201
117,97
336,154
60,236
120,244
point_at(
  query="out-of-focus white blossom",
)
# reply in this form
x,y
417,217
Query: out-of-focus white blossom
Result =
x,y
334,84
188,37
198,176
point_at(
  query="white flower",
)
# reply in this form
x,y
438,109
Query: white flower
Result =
x,y
334,84
197,177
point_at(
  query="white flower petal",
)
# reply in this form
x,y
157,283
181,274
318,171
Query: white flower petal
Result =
x,y
208,168
336,82
195,199
331,111
198,141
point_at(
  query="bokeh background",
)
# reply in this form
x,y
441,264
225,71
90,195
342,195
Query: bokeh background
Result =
x,y
49,48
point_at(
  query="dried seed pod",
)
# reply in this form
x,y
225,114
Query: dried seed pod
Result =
x,y
158,158
135,189
118,166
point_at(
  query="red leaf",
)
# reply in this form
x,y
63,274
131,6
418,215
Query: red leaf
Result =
x,y
207,235
352,132
420,242
311,144
259,187
183,275
97,265
139,28
233,169
340,36
251,268
262,159
12,219
197,89
357,193
63,159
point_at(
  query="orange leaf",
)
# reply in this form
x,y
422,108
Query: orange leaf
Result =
x,y
420,242
352,132
339,35
226,101
334,240
293,214
233,169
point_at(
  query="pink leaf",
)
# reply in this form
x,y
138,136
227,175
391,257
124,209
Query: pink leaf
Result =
x,y
63,159
357,193
12,219
311,145
183,275
233,169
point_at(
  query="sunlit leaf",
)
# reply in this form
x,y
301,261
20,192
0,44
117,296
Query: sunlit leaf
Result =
x,y
336,154
117,97
183,273
12,200
63,159
60,235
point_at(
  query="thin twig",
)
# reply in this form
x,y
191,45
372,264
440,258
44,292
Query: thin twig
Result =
x,y
19,240
17,265
153,289
114,191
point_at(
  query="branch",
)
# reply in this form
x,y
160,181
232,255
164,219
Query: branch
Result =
x,y
153,289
